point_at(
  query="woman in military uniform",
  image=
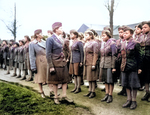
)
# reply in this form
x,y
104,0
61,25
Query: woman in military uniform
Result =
x,y
130,67
76,61
107,65
38,62
90,58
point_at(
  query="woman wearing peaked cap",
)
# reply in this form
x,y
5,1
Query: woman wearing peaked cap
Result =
x,y
57,65
38,62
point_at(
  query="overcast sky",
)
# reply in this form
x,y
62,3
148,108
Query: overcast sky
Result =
x,y
41,14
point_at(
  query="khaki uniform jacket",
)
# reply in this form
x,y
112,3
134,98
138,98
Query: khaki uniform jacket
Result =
x,y
108,52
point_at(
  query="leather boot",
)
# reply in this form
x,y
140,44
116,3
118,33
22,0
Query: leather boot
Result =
x,y
110,99
133,105
105,98
78,90
92,95
88,94
127,104
146,96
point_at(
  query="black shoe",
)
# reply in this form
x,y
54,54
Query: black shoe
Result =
x,y
105,98
51,94
87,95
121,93
110,99
29,79
133,105
141,89
127,104
146,96
82,83
7,73
13,75
103,89
92,95
125,94
73,90
23,78
19,76
78,90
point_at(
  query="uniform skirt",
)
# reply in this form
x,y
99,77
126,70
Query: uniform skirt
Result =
x,y
41,64
6,62
21,66
27,63
130,80
11,62
106,75
75,69
89,74
16,64
61,75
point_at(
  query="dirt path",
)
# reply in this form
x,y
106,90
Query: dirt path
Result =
x,y
96,106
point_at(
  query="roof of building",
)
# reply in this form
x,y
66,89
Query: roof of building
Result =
x,y
96,27
99,28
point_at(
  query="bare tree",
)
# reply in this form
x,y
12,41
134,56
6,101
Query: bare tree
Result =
x,y
111,6
12,27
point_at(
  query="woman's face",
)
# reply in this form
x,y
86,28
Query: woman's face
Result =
x,y
20,43
4,43
138,31
15,45
127,35
87,36
32,39
121,33
40,35
145,28
72,36
105,37
25,39
59,30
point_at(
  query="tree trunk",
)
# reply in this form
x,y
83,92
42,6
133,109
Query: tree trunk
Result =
x,y
14,23
111,13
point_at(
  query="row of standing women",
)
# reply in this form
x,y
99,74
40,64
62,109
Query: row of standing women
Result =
x,y
16,57
127,58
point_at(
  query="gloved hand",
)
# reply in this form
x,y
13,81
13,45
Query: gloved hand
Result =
x,y
93,68
52,71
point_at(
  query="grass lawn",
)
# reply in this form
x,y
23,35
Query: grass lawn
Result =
x,y
18,99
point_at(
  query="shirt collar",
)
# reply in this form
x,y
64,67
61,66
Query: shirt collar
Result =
x,y
57,36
